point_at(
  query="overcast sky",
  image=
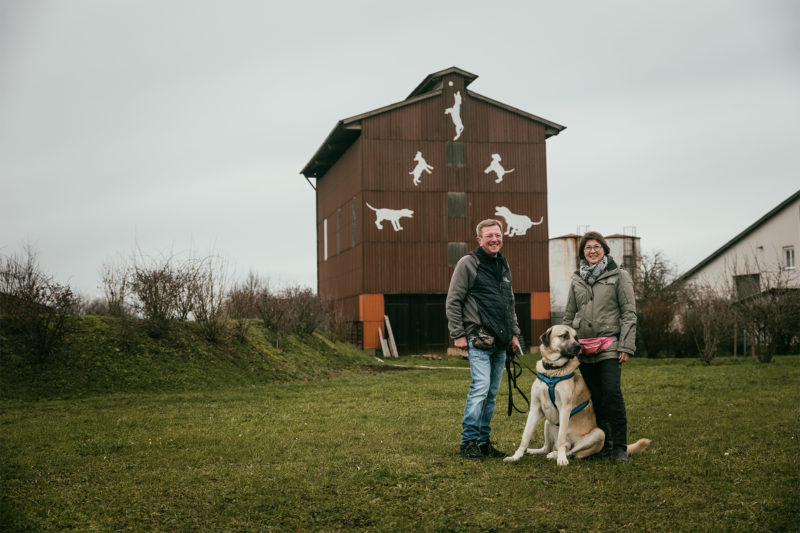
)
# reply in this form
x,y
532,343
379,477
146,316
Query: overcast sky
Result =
x,y
183,125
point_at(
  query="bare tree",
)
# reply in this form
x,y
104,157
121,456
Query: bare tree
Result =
x,y
657,303
38,307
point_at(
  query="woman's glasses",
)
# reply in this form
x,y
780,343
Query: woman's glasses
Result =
x,y
592,248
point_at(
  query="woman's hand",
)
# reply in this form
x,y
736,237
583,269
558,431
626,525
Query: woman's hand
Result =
x,y
623,357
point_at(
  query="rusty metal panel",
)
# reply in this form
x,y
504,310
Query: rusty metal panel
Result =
x,y
419,217
506,168
341,275
396,268
488,123
340,183
418,166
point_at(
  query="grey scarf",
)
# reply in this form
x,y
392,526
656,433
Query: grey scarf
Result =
x,y
589,274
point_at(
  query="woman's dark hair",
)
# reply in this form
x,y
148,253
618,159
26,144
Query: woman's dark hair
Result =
x,y
592,236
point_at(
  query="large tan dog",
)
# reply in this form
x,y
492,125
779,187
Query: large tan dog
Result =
x,y
563,400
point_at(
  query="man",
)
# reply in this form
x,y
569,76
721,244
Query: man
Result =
x,y
481,318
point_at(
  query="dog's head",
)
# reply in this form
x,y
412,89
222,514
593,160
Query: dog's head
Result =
x,y
501,211
407,213
559,341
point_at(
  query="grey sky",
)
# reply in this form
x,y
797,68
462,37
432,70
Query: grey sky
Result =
x,y
183,125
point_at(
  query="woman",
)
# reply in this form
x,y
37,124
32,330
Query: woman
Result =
x,y
601,306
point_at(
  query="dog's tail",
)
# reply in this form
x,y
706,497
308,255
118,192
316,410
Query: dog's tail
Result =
x,y
373,207
638,447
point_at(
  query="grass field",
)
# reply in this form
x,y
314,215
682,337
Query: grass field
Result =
x,y
377,451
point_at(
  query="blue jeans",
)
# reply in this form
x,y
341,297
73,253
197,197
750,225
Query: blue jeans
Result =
x,y
486,368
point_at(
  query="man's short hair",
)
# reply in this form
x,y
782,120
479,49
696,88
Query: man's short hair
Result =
x,y
487,223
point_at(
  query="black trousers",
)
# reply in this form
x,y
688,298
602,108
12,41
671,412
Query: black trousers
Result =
x,y
604,381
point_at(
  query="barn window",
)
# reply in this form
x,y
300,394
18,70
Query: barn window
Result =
x,y
325,239
455,251
456,204
338,230
455,154
353,222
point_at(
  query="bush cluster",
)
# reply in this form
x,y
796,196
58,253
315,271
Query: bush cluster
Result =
x,y
680,318
154,293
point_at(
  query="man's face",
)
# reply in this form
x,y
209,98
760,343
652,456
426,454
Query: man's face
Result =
x,y
491,240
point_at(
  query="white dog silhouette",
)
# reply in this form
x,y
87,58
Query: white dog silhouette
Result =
x,y
455,114
392,215
515,224
422,166
497,168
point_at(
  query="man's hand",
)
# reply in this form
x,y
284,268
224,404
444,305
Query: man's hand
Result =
x,y
623,357
515,344
461,342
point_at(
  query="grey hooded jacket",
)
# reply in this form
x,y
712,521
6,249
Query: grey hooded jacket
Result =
x,y
605,309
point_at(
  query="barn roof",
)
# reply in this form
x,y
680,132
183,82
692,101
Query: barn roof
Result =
x,y
750,229
346,131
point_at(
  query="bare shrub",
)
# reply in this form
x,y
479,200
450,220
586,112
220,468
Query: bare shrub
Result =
x,y
242,304
274,311
38,307
770,313
207,286
706,317
156,285
307,311
116,280
657,303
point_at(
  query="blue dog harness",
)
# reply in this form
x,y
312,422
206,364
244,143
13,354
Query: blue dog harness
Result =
x,y
551,384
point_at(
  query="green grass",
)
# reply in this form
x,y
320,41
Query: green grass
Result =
x,y
377,451
95,361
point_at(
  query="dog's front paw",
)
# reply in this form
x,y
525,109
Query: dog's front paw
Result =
x,y
512,459
562,459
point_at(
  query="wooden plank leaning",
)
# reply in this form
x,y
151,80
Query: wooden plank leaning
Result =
x,y
391,336
384,346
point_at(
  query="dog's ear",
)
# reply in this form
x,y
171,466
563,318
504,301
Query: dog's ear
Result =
x,y
545,338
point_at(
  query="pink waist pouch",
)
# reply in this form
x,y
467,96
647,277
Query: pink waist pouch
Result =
x,y
595,345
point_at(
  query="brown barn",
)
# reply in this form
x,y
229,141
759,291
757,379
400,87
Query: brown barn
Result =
x,y
399,192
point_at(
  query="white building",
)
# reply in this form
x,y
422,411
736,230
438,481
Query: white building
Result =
x,y
564,260
761,257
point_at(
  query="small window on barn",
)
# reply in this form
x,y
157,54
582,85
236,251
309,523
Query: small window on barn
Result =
x,y
455,251
338,230
353,222
325,239
455,154
456,204
747,285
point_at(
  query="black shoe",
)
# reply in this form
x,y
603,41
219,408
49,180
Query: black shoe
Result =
x,y
490,451
471,450
619,456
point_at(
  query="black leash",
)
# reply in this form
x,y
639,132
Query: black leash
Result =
x,y
514,370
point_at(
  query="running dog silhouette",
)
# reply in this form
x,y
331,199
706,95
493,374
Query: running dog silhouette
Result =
x,y
392,215
497,168
422,166
455,114
515,224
